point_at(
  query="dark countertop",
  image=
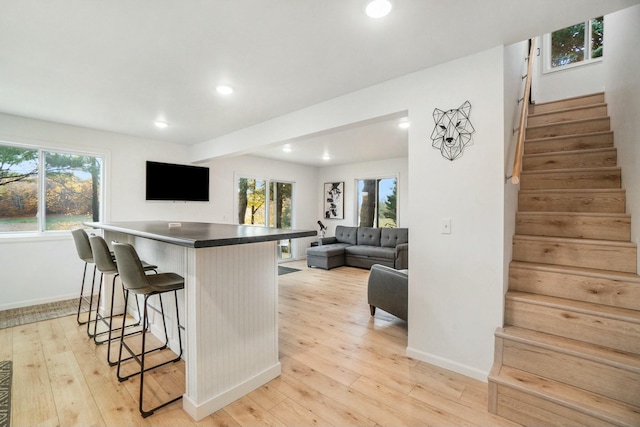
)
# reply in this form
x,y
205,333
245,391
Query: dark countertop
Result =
x,y
202,234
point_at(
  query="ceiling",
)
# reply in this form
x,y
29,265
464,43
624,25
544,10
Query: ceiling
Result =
x,y
120,65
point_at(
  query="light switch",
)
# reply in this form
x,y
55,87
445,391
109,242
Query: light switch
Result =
x,y
446,226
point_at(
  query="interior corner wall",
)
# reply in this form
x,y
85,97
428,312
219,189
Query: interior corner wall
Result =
x,y
622,84
366,170
59,270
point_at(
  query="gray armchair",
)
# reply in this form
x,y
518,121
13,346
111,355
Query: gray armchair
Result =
x,y
388,290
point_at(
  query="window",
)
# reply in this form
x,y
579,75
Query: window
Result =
x,y
46,190
257,197
377,202
575,45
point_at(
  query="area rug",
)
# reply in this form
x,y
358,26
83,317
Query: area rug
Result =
x,y
6,372
286,270
37,313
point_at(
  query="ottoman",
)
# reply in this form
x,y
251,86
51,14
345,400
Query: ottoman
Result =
x,y
326,256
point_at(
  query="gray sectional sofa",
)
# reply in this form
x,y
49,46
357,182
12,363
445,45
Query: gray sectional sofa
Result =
x,y
362,247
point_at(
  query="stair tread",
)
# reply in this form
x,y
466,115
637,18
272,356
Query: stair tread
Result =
x,y
572,240
582,349
617,313
569,109
575,190
591,214
593,404
568,122
573,170
572,98
580,271
571,152
577,135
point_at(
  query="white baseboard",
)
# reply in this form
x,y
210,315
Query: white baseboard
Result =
x,y
448,364
38,301
208,407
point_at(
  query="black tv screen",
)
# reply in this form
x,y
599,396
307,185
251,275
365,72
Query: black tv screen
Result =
x,y
167,181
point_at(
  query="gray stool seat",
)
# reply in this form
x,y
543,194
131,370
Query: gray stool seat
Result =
x,y
134,280
105,263
83,248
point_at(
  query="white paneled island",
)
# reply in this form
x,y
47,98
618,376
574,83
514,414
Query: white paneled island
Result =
x,y
230,306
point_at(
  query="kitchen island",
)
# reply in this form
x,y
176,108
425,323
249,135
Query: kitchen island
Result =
x,y
230,301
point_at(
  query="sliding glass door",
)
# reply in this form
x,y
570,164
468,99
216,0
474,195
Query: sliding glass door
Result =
x,y
269,204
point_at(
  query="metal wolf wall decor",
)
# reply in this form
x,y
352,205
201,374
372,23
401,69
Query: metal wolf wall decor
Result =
x,y
453,131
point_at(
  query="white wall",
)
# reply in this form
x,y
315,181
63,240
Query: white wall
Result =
x,y
456,282
349,174
515,66
566,83
622,83
38,269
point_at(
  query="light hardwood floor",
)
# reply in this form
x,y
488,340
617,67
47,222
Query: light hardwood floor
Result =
x,y
340,367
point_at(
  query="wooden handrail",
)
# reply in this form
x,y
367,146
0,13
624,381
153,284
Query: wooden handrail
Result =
x,y
517,161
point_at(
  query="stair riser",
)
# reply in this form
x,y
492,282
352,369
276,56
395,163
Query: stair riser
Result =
x,y
592,328
530,410
597,98
590,112
601,378
598,256
596,159
570,143
574,226
569,128
615,293
596,202
591,179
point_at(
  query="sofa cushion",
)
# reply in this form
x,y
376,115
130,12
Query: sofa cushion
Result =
x,y
327,250
368,236
346,234
391,237
370,251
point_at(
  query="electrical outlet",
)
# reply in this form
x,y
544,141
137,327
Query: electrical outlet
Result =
x,y
445,226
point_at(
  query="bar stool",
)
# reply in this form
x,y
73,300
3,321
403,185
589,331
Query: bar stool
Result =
x,y
81,239
106,265
135,280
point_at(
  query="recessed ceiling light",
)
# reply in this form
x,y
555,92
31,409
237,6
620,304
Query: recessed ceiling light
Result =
x,y
404,124
160,124
286,148
378,8
326,157
224,90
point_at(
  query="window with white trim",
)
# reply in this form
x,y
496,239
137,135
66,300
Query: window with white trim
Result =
x,y
575,45
377,202
47,190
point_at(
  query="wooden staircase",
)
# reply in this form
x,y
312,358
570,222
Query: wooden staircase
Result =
x,y
569,351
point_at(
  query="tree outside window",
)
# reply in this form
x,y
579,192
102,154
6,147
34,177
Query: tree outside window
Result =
x,y
377,202
577,43
71,189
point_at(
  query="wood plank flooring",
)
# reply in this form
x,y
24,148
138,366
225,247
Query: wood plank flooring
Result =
x,y
340,367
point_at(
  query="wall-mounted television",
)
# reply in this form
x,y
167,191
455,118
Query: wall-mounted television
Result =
x,y
168,181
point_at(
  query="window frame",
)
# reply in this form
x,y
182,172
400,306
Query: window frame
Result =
x,y
546,47
376,178
43,148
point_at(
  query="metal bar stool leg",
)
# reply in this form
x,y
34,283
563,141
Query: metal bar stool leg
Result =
x,y
135,280
81,298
